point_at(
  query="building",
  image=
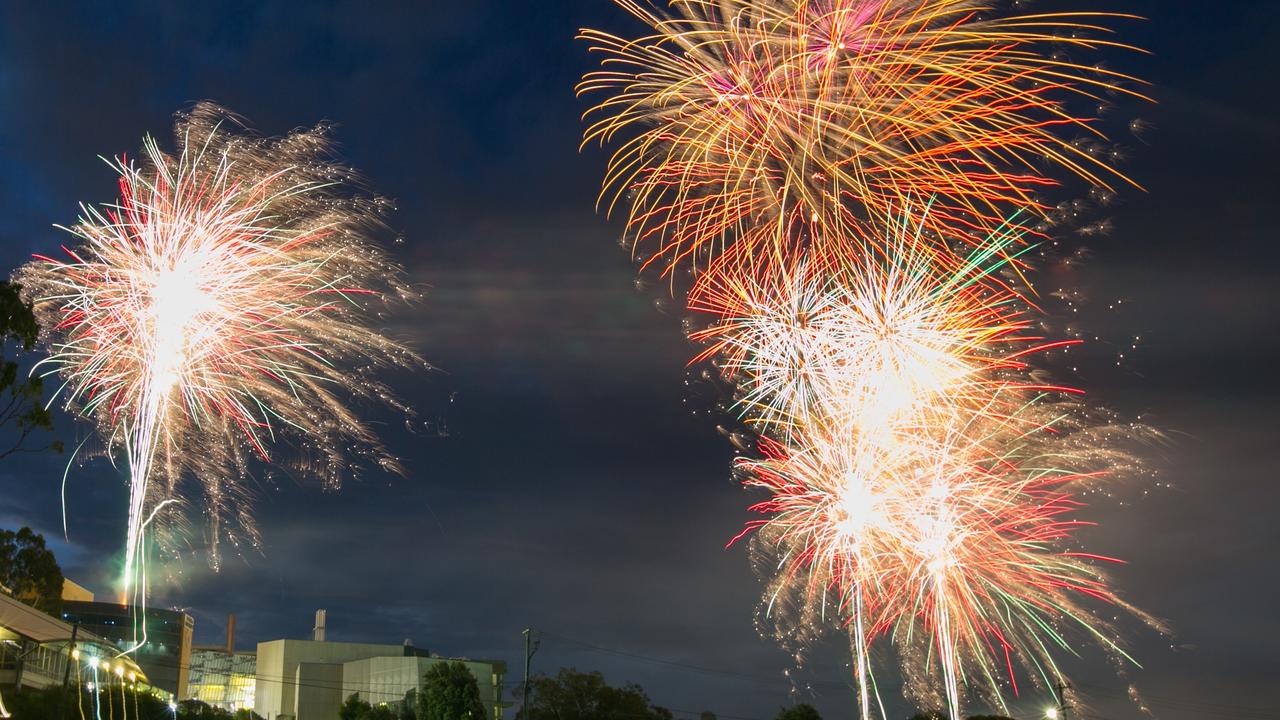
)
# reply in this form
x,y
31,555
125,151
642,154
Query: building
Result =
x,y
310,679
304,678
379,680
165,652
70,591
223,677
36,649
75,592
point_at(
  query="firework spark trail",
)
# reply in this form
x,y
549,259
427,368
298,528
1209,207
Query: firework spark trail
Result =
x,y
919,479
744,116
224,304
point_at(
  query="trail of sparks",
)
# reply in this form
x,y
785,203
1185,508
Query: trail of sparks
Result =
x,y
223,305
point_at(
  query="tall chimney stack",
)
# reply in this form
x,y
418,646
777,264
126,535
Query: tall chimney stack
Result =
x,y
318,633
231,634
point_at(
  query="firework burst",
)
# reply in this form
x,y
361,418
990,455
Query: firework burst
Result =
x,y
950,543
739,115
922,484
869,335
224,305
838,176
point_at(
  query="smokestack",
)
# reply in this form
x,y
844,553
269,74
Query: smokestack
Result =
x,y
231,634
318,633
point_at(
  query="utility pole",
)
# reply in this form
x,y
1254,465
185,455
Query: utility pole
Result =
x,y
1063,705
530,647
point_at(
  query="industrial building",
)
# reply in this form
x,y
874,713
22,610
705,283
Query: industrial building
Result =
x,y
222,679
386,679
310,679
222,676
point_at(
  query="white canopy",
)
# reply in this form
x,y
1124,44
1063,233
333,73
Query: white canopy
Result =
x,y
30,622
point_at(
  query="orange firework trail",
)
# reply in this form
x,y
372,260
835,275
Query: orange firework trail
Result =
x,y
839,174
221,306
741,113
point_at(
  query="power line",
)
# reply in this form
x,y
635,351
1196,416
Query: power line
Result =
x,y
1160,699
1156,699
687,666
1210,709
1270,712
370,686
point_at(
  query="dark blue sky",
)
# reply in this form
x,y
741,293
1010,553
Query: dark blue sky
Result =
x,y
573,492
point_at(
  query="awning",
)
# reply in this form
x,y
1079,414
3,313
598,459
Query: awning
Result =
x,y
30,622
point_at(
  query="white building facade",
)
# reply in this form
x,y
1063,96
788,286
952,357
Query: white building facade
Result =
x,y
310,679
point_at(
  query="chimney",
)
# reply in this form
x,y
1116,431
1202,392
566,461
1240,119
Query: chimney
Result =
x,y
318,632
231,634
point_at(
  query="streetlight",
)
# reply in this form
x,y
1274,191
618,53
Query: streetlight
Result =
x,y
1051,713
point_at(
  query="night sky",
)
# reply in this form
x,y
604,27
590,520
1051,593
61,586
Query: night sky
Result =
x,y
556,478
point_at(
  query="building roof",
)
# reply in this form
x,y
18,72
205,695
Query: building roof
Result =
x,y
222,649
